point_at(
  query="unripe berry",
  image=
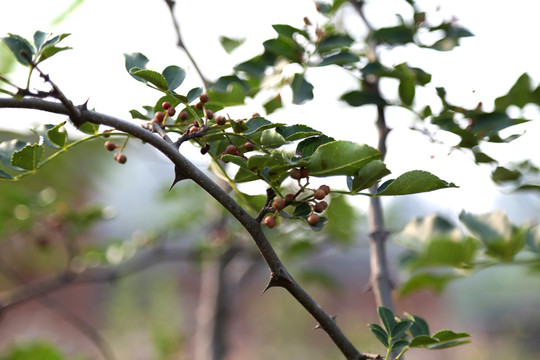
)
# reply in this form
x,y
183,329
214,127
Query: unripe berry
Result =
x,y
183,116
205,148
248,146
278,204
289,197
270,222
231,149
204,98
313,219
304,173
221,120
159,116
199,105
319,194
325,188
209,114
171,111
121,158
166,105
255,114
320,206
295,173
110,146
194,129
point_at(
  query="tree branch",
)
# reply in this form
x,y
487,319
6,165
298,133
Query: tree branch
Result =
x,y
279,275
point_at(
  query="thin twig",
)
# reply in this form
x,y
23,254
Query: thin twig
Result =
x,y
180,43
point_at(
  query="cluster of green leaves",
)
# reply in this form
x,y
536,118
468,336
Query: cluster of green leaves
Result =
x,y
31,53
439,251
402,334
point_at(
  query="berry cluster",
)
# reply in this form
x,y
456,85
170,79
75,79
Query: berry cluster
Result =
x,y
315,201
160,117
119,156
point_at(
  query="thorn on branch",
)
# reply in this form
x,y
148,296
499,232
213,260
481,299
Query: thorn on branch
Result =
x,y
270,196
279,278
318,326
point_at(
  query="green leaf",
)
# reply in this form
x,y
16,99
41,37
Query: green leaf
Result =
x,y
307,147
501,175
288,31
257,65
387,317
89,128
426,281
342,220
55,40
272,139
230,44
174,75
297,132
234,95
519,95
334,42
135,60
238,160
65,13
194,94
400,328
273,104
397,35
379,333
494,230
302,90
50,51
486,124
448,344
152,77
406,91
238,126
342,58
449,335
136,114
36,350
258,123
368,176
419,326
19,46
399,345
7,148
340,158
361,98
28,157
39,39
302,210
58,135
286,47
422,341
413,182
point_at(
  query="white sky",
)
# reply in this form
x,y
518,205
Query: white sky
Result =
x,y
483,68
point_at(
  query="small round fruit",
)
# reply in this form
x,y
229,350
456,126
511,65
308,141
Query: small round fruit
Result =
x,y
255,114
194,130
205,149
289,197
209,114
325,188
171,111
319,194
166,105
278,204
110,146
295,173
270,222
121,158
204,98
231,149
183,116
313,219
159,116
199,105
221,120
248,146
304,173
320,206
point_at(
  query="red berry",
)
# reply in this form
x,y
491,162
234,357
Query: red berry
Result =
x,y
204,98
248,146
289,197
325,188
171,111
320,206
278,204
205,148
295,173
110,146
220,120
199,105
159,116
121,158
194,129
313,219
209,114
231,149
255,114
183,116
166,105
270,221
304,173
319,194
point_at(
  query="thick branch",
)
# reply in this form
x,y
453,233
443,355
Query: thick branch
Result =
x,y
280,276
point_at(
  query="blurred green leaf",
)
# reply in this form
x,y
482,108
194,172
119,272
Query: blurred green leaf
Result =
x,y
412,182
32,351
174,76
334,42
340,158
285,47
64,14
302,90
400,328
273,104
344,57
419,326
7,148
396,35
89,128
422,341
28,157
342,220
360,98
234,95
289,31
5,175
39,39
426,281
297,132
136,114
271,138
501,175
519,95
238,160
19,46
379,333
50,51
230,44
58,135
